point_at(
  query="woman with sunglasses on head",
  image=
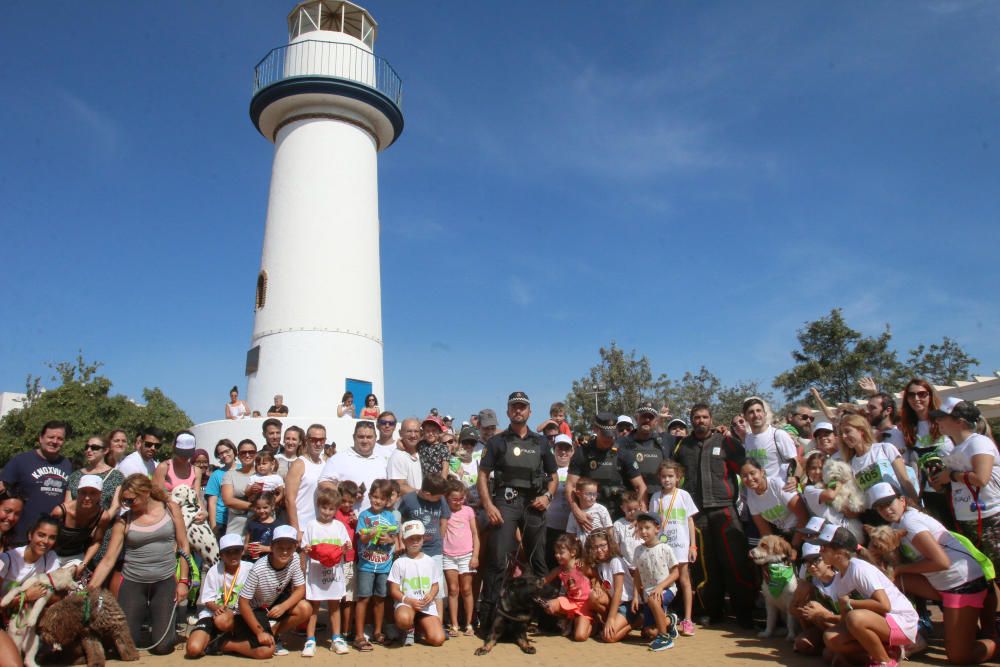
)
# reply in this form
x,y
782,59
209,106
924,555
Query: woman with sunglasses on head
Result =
x,y
151,533
236,487
924,440
95,454
218,515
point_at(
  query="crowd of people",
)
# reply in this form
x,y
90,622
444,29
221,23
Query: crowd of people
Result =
x,y
413,533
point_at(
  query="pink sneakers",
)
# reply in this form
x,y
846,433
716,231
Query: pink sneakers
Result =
x,y
686,628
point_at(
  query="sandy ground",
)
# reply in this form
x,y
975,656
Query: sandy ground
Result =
x,y
710,647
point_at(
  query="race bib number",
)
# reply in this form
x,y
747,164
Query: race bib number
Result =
x,y
671,535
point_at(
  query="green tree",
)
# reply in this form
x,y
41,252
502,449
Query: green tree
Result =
x,y
705,387
941,363
833,357
620,381
84,400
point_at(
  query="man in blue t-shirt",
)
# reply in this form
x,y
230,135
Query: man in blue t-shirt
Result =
x,y
429,507
39,476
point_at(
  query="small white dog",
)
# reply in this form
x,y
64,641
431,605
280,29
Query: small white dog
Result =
x,y
838,475
776,559
23,627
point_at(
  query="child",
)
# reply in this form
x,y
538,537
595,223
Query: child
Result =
x,y
586,499
347,515
394,493
817,497
267,476
615,606
625,534
36,557
219,597
557,413
414,581
377,538
815,586
656,574
676,510
429,507
574,605
327,545
260,528
875,617
461,555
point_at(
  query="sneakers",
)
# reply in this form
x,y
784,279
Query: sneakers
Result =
x,y
339,646
308,649
672,630
916,648
280,650
409,639
890,663
661,643
686,628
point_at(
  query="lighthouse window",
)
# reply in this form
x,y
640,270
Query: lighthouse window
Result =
x,y
261,290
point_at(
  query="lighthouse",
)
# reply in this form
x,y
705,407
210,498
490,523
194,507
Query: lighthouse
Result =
x,y
329,105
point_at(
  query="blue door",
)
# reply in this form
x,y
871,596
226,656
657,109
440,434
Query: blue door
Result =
x,y
360,389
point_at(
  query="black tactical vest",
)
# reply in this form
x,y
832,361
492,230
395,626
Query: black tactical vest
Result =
x,y
522,463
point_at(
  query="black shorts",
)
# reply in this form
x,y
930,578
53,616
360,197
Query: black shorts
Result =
x,y
207,625
242,631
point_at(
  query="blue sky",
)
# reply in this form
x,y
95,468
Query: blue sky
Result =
x,y
693,180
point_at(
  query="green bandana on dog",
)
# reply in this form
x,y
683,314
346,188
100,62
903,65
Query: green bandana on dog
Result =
x,y
779,576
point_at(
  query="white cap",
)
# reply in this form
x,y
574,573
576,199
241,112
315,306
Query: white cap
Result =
x,y
826,534
809,550
823,426
184,441
880,491
284,533
563,438
412,528
814,527
91,482
229,541
624,419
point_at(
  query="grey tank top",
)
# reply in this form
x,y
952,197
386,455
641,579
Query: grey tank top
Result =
x,y
150,551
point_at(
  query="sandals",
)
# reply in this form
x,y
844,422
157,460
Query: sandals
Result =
x,y
452,630
380,638
363,645
469,632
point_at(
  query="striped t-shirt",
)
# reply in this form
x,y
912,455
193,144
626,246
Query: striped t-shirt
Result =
x,y
264,584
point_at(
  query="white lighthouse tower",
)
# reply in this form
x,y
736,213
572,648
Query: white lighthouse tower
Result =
x,y
330,105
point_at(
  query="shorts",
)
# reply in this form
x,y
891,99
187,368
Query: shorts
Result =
x,y
443,587
625,609
460,563
573,608
896,635
972,594
242,631
348,582
647,613
207,625
417,613
372,584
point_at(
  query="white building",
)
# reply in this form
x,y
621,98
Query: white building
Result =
x,y
11,400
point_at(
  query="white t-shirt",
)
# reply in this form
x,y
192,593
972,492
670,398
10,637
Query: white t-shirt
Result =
x,y
864,579
875,466
774,449
627,541
599,518
654,564
325,583
284,463
674,528
607,570
385,451
14,570
405,466
216,583
960,460
134,464
925,442
557,515
810,494
268,482
362,470
772,505
415,577
964,567
894,437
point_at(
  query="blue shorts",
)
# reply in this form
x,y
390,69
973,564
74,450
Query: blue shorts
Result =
x,y
625,609
371,584
647,614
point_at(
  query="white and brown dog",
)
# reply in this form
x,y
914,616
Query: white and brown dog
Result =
x,y
200,536
23,626
776,559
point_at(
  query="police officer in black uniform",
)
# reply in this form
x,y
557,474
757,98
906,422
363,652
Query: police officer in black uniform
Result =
x,y
602,461
524,479
647,447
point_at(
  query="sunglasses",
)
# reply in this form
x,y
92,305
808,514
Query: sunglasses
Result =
x,y
94,448
248,452
386,422
807,418
448,442
923,393
152,445
624,427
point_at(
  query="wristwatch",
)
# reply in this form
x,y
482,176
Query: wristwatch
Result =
x,y
548,495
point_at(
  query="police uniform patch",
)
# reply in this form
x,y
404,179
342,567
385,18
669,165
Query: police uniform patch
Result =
x,y
638,457
593,465
635,465
517,451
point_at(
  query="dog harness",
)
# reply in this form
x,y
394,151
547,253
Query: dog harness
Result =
x,y
778,577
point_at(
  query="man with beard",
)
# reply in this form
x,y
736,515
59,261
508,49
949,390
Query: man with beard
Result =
x,y
604,462
647,447
711,463
882,416
525,481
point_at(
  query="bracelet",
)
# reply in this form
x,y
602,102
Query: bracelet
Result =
x,y
186,582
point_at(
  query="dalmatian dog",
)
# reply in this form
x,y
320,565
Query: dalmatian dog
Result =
x,y
200,535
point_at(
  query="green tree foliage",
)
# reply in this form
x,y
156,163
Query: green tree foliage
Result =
x,y
705,387
621,382
833,357
83,399
941,363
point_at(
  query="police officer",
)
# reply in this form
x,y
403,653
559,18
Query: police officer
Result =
x,y
648,447
602,461
524,471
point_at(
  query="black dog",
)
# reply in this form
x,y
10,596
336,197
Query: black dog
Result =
x,y
520,598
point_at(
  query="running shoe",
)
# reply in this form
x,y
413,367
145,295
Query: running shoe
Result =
x,y
409,639
279,649
672,630
339,646
686,628
308,649
661,643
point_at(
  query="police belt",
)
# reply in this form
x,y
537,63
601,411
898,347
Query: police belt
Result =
x,y
510,493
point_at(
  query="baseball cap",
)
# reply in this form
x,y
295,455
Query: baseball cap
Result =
x,y
91,482
487,417
646,408
810,550
955,407
563,439
433,419
814,527
518,397
625,419
284,533
468,433
231,540
677,421
879,493
823,426
648,516
412,528
184,444
838,536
